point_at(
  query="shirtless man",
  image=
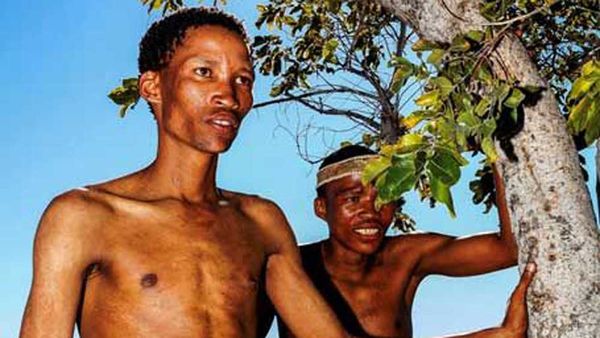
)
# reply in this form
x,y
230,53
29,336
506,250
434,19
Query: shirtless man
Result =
x,y
369,279
163,252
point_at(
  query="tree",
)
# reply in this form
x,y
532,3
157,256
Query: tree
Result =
x,y
481,92
550,207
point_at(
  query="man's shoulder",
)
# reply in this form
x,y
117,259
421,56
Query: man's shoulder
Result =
x,y
71,220
256,206
413,241
78,203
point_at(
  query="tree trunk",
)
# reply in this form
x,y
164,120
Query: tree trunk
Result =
x,y
551,211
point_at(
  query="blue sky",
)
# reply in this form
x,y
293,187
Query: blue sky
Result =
x,y
59,131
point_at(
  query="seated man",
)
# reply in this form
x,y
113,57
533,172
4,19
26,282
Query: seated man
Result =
x,y
370,279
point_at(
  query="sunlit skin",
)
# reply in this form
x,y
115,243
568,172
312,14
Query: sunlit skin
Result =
x,y
162,252
378,276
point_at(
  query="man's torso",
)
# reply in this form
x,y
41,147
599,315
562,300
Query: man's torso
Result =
x,y
166,269
378,302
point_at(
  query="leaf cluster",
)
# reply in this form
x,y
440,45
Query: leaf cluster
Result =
x,y
322,36
463,108
583,103
126,96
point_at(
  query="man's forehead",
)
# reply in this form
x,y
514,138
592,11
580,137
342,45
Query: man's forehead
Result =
x,y
347,167
346,183
211,43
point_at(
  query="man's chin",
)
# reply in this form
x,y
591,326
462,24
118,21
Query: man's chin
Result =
x,y
215,148
366,248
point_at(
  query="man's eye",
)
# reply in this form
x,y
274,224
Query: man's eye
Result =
x,y
352,199
243,80
203,71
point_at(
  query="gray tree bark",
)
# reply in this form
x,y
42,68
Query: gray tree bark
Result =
x,y
551,211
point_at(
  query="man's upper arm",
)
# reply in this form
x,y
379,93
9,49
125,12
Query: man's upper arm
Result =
x,y
295,298
59,259
465,256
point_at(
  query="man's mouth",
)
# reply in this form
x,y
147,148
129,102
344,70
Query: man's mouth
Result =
x,y
224,122
367,231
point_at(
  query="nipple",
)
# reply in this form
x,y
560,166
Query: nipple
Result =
x,y
149,280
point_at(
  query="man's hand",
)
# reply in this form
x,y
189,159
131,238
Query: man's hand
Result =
x,y
515,322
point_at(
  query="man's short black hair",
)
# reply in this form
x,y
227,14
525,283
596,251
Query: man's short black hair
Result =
x,y
340,155
161,39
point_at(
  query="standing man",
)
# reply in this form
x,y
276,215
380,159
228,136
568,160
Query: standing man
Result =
x,y
369,279
163,252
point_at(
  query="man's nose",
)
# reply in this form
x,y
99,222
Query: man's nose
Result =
x,y
224,96
369,199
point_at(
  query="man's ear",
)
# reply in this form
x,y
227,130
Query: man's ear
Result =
x,y
320,206
149,87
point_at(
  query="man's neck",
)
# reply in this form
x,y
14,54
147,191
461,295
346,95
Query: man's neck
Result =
x,y
344,263
183,172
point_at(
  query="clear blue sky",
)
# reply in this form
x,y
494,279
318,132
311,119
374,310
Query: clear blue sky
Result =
x,y
58,59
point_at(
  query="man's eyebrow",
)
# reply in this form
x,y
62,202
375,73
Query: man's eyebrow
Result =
x,y
349,189
202,60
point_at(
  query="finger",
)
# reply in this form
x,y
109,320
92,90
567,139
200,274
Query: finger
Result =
x,y
518,295
516,315
526,278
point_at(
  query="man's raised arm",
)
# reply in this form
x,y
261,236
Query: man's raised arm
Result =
x,y
475,254
515,321
60,256
295,298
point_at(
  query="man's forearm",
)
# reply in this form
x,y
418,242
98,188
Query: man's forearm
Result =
x,y
506,234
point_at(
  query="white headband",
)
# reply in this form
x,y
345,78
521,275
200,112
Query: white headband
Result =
x,y
347,167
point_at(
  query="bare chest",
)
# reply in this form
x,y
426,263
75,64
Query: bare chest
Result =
x,y
177,273
381,301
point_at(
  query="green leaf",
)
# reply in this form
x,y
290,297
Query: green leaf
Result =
x,y
444,167
443,84
578,116
515,98
484,74
482,106
449,150
591,68
487,145
441,193
329,49
475,35
580,87
467,118
403,71
126,96
428,99
460,44
592,129
413,119
435,57
529,89
375,168
488,127
276,91
401,176
409,143
423,45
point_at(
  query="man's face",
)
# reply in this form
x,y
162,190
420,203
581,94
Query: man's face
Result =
x,y
206,89
348,207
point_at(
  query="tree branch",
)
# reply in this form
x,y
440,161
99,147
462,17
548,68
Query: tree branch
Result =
x,y
291,97
358,118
